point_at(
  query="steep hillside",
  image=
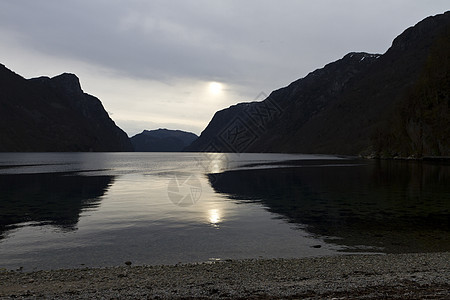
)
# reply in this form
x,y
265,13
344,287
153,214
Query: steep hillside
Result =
x,y
54,114
351,105
422,118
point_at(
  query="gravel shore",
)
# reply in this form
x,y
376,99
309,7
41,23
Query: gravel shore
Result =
x,y
392,276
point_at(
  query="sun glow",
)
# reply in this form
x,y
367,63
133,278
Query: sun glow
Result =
x,y
214,217
215,87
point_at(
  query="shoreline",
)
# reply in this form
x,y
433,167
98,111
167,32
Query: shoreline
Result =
x,y
436,159
413,275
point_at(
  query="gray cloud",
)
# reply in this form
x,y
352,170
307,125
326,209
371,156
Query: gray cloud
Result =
x,y
206,38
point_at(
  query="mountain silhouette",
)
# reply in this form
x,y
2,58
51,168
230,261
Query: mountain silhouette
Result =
x,y
54,115
162,140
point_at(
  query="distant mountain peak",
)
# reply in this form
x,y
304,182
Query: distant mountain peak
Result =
x,y
162,140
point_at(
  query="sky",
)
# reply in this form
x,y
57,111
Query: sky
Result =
x,y
173,64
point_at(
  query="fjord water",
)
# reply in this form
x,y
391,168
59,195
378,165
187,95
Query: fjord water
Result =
x,y
65,210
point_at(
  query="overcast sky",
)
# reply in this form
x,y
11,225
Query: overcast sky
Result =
x,y
172,64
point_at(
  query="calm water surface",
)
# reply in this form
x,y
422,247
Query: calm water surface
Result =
x,y
65,210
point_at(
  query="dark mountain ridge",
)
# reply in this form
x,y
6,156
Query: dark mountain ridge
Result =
x,y
54,114
353,106
162,140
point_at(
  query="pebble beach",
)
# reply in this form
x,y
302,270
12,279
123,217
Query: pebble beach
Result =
x,y
390,276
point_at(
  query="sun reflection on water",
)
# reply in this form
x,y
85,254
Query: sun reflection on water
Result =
x,y
214,217
215,162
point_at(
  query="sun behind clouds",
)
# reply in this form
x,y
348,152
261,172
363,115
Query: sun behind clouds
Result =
x,y
215,87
